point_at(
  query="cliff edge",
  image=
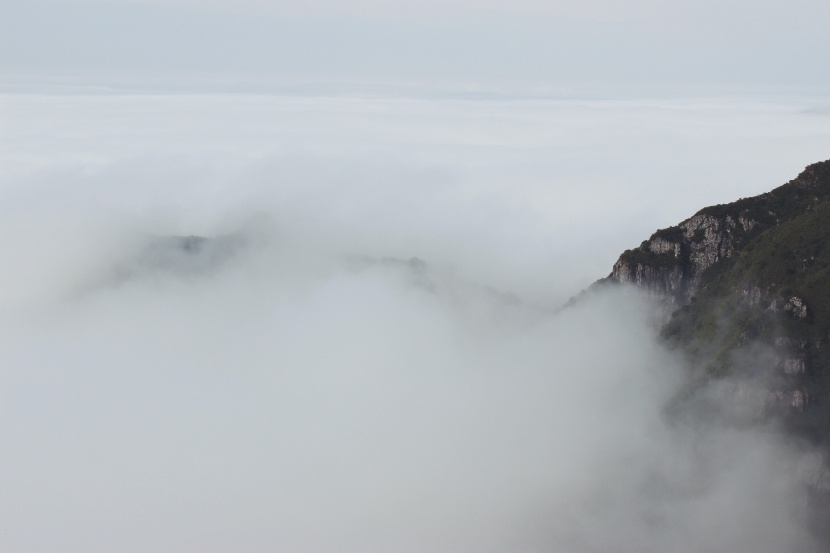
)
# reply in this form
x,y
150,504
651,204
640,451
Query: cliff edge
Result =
x,y
744,289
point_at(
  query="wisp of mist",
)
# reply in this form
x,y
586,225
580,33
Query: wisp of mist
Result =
x,y
367,353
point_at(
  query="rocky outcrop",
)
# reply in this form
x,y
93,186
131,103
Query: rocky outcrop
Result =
x,y
666,285
669,265
796,307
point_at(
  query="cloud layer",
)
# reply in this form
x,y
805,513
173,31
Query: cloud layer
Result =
x,y
279,398
366,356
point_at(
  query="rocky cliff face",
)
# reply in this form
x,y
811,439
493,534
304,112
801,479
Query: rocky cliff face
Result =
x,y
669,265
744,288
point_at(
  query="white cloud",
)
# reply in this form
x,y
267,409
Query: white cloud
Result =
x,y
291,396
515,189
285,400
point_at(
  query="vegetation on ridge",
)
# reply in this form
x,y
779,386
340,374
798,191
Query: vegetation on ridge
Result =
x,y
767,288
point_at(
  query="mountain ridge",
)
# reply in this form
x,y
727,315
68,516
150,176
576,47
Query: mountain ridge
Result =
x,y
744,288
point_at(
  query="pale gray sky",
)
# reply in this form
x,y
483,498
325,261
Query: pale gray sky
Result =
x,y
493,43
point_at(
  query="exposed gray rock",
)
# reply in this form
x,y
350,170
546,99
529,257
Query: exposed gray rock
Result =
x,y
660,245
794,366
746,224
698,243
797,307
784,342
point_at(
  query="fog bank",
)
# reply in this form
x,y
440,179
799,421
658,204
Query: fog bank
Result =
x,y
534,196
367,353
277,397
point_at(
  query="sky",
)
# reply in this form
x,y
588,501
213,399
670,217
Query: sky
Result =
x,y
554,47
367,354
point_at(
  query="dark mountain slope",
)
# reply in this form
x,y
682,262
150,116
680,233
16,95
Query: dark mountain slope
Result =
x,y
744,288
672,263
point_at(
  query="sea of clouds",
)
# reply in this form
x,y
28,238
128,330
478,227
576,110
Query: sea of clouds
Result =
x,y
368,354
